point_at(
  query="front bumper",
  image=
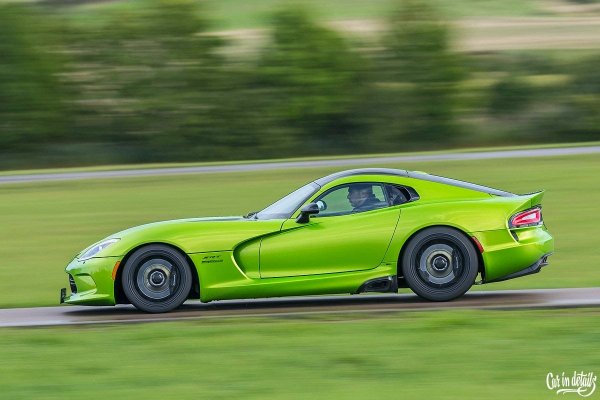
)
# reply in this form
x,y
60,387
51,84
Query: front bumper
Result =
x,y
91,282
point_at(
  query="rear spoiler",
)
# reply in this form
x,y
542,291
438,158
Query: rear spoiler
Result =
x,y
535,198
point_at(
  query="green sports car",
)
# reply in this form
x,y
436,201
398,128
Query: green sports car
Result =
x,y
362,230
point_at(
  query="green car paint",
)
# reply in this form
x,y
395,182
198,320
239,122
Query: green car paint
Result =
x,y
274,255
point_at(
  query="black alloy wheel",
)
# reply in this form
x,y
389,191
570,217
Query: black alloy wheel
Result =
x,y
156,278
440,264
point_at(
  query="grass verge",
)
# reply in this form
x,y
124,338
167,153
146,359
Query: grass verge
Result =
x,y
435,355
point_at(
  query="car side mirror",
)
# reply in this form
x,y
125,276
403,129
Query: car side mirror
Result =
x,y
322,205
306,211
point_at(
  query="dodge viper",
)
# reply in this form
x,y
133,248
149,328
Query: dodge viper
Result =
x,y
362,230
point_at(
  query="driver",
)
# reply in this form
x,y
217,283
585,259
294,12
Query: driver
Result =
x,y
361,198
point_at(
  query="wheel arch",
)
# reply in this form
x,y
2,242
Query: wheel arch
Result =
x,y
120,297
481,266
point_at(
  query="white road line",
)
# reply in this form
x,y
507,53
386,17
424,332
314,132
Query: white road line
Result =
x,y
265,166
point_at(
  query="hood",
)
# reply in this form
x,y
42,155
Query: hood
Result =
x,y
192,235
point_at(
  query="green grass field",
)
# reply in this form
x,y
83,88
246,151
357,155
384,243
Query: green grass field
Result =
x,y
237,14
435,355
45,224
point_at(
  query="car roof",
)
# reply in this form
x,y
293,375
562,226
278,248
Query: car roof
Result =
x,y
361,171
412,174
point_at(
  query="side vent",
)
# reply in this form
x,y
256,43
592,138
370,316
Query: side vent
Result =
x,y
381,285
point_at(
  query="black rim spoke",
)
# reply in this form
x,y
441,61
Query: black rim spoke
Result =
x,y
157,279
439,262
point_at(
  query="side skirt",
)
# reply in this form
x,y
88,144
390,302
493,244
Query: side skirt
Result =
x,y
225,280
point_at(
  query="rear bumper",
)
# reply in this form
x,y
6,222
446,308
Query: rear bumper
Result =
x,y
509,255
532,269
90,282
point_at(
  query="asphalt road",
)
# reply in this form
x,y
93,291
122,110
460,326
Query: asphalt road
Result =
x,y
298,306
264,166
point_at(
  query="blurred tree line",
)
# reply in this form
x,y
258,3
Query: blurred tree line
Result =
x,y
151,83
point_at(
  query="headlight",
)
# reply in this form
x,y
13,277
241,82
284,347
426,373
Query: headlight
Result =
x,y
97,248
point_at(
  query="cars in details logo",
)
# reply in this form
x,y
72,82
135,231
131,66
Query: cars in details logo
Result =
x,y
582,383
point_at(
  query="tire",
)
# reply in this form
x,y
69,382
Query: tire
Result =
x,y
156,279
440,264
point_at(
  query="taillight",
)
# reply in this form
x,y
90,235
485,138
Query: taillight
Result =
x,y
530,217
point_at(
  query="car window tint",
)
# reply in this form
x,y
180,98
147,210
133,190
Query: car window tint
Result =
x,y
378,192
285,207
353,198
395,195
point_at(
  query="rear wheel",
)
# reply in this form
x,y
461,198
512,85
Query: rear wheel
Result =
x,y
156,279
440,264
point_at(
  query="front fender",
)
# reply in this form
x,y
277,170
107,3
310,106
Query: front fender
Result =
x,y
191,236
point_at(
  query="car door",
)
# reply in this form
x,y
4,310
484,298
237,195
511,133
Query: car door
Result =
x,y
342,237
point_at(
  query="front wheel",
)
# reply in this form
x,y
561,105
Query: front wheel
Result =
x,y
156,279
440,264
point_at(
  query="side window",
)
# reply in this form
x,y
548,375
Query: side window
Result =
x,y
352,198
395,195
400,194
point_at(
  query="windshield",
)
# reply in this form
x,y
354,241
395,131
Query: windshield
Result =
x,y
285,207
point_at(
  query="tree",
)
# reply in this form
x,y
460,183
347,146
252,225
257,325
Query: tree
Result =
x,y
33,111
310,84
154,81
422,75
